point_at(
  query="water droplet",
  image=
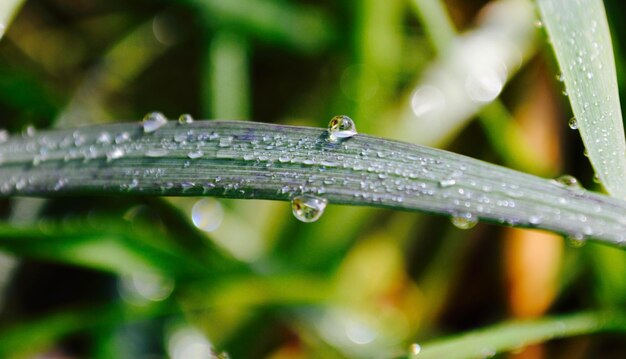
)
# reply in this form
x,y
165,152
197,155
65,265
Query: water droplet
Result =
x,y
153,121
115,154
567,181
589,75
447,183
207,214
4,135
596,178
185,118
195,154
573,123
225,141
415,349
30,131
156,152
122,137
576,240
487,352
308,208
341,127
60,184
104,138
538,24
465,221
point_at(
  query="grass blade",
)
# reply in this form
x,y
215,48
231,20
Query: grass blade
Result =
x,y
263,161
304,28
113,248
581,40
510,336
24,340
8,9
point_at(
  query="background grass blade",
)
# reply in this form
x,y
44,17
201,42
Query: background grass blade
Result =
x,y
8,9
579,34
515,335
300,27
263,161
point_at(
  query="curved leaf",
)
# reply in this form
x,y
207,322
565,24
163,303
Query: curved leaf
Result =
x,y
263,161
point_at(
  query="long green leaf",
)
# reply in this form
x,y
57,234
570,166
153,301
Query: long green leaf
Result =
x,y
304,28
26,339
113,247
580,36
515,335
262,161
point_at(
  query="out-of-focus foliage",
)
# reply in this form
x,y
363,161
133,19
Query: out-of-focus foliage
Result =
x,y
190,278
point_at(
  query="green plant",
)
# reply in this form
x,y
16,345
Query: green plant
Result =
x,y
250,265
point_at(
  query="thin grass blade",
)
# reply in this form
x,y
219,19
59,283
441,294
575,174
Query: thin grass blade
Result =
x,y
579,34
515,335
8,9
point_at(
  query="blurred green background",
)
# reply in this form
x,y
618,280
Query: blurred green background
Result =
x,y
134,277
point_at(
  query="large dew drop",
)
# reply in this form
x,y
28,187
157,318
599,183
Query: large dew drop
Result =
x,y
465,221
308,208
185,118
153,121
415,349
341,127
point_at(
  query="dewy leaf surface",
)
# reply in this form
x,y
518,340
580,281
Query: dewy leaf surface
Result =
x,y
579,34
263,161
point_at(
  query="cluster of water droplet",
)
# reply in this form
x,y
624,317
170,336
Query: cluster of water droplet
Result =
x,y
308,208
237,162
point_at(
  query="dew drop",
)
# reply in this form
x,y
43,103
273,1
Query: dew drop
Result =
x,y
341,127
104,138
156,152
567,181
465,221
415,349
4,135
447,183
207,214
115,154
573,123
195,154
153,121
308,208
122,137
30,131
225,141
596,178
576,240
185,118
